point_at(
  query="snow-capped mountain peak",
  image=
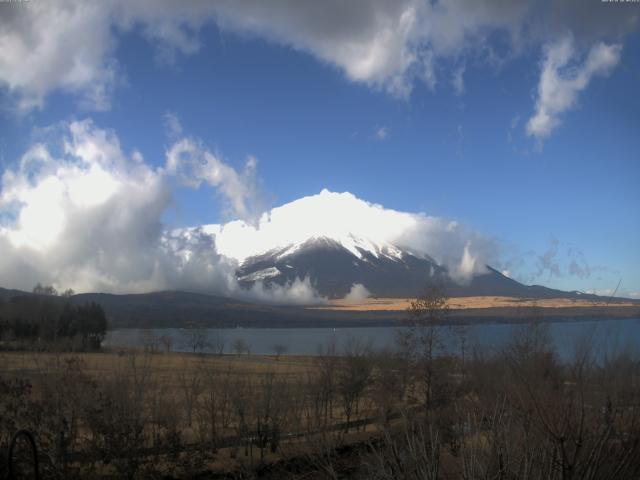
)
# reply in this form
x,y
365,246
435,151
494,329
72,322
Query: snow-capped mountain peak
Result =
x,y
367,232
360,247
353,223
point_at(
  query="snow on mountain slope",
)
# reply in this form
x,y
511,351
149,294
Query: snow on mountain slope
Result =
x,y
334,270
352,222
324,245
362,228
333,241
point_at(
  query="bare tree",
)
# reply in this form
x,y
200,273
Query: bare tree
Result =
x,y
149,340
214,408
240,346
354,376
461,338
411,451
190,382
40,289
421,338
240,391
389,382
197,339
217,341
324,385
279,349
166,342
268,411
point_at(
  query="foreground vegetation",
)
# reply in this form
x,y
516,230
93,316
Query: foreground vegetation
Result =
x,y
47,320
517,413
418,412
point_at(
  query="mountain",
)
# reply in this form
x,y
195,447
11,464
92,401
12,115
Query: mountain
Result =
x,y
175,308
186,309
7,294
334,265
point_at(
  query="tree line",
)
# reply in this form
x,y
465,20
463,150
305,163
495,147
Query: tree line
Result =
x,y
47,318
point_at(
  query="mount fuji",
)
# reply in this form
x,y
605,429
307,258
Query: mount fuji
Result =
x,y
336,241
278,270
383,270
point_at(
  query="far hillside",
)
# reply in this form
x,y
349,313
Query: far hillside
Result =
x,y
44,319
187,309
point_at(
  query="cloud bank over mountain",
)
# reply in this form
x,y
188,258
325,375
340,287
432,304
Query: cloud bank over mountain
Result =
x,y
391,46
78,212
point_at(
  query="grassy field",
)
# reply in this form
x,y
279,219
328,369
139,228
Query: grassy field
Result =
x,y
464,303
362,414
167,365
182,391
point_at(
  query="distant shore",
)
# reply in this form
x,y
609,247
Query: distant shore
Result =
x,y
489,309
479,302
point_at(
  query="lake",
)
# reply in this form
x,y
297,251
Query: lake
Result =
x,y
607,335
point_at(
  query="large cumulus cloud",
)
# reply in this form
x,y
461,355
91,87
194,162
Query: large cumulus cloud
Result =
x,y
78,212
90,219
389,45
358,224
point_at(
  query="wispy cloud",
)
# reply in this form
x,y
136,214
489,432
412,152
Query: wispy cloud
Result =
x,y
381,133
172,125
457,79
547,262
560,260
193,164
563,79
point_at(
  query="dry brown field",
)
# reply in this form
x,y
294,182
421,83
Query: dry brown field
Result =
x,y
165,366
464,303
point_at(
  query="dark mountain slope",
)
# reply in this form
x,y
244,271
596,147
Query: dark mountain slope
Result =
x,y
333,269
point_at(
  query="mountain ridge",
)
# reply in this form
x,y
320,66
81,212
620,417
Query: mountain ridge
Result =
x,y
177,309
384,270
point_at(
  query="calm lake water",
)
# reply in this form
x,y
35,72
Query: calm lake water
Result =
x,y
607,335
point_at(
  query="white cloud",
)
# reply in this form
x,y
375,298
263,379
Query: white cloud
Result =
x,y
562,79
64,45
193,164
601,292
608,292
357,294
356,224
89,217
457,80
381,133
86,220
172,125
388,45
298,292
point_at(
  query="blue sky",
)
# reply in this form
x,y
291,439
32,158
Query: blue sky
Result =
x,y
463,153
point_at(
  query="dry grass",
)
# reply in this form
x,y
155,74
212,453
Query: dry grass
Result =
x,y
164,374
463,303
167,366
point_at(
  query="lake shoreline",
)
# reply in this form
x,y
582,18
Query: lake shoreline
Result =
x,y
311,340
386,318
